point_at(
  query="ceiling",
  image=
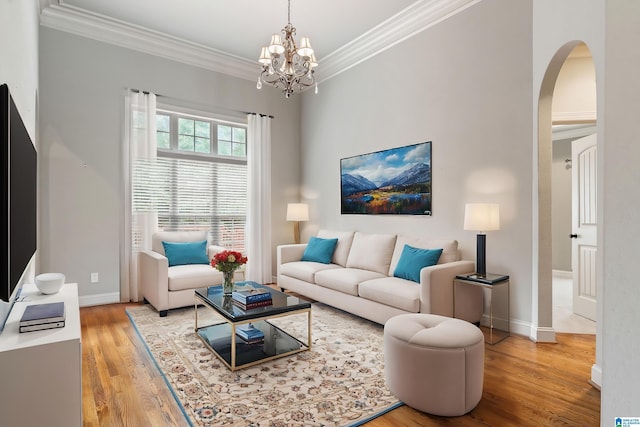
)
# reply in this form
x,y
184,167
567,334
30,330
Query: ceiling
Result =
x,y
226,35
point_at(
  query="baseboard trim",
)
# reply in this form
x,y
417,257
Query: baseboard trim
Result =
x,y
99,299
516,327
543,334
596,377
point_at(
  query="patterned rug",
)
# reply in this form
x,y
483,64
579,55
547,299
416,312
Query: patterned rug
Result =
x,y
339,382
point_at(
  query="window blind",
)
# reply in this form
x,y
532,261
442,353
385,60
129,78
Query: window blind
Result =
x,y
190,194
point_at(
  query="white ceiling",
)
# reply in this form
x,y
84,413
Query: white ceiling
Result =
x,y
226,35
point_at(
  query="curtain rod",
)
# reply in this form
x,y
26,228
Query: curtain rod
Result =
x,y
146,92
259,114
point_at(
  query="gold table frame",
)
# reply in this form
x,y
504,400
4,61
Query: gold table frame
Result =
x,y
201,302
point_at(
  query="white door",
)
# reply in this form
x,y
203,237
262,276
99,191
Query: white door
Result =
x,y
584,223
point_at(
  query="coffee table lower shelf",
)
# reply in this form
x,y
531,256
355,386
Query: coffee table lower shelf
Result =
x,y
221,339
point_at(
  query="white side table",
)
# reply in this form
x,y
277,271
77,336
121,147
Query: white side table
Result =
x,y
498,286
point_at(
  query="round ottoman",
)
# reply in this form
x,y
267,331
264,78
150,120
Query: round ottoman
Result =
x,y
434,363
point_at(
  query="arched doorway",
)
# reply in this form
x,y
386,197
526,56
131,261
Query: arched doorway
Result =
x,y
545,245
542,298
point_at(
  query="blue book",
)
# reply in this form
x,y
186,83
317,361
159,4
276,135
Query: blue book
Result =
x,y
37,314
249,332
251,296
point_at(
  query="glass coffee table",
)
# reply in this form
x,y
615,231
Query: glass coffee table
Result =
x,y
220,337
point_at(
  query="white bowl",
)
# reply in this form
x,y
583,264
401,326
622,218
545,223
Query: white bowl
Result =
x,y
49,283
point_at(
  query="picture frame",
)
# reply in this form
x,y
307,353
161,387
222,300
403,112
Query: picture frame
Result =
x,y
396,181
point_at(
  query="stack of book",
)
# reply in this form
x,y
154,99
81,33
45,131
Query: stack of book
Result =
x,y
37,317
250,334
253,298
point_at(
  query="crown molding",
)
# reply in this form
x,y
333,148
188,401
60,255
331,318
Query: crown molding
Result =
x,y
560,133
416,18
101,28
409,22
570,117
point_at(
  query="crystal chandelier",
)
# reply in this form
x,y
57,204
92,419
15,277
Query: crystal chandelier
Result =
x,y
286,66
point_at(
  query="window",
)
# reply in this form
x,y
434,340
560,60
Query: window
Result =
x,y
199,179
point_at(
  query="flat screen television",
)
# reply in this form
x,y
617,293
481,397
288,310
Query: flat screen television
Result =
x,y
18,212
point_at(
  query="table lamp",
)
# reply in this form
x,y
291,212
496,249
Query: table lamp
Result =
x,y
481,217
297,212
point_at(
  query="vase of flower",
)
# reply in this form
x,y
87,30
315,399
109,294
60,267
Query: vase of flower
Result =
x,y
227,285
228,262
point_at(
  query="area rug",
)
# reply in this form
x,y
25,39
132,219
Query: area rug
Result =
x,y
339,382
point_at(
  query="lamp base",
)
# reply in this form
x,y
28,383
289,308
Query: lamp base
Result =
x,y
481,255
296,232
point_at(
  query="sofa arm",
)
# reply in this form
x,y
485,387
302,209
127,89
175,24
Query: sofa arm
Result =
x,y
436,286
288,253
153,278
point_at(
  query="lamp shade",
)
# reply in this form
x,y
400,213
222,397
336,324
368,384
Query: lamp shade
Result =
x,y
297,212
482,216
276,44
265,56
305,48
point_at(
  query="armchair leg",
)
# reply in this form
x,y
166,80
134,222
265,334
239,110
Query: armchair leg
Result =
x,y
163,313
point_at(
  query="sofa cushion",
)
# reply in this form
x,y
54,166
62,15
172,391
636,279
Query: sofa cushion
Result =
x,y
319,250
413,260
175,236
305,270
449,249
345,280
371,252
392,291
181,253
341,253
193,276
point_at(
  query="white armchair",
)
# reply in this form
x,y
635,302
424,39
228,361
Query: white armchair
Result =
x,y
167,287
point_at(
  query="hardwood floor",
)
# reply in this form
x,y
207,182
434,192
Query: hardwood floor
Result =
x,y
525,384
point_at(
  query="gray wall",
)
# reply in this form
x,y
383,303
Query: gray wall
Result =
x,y
466,86
19,57
82,83
619,235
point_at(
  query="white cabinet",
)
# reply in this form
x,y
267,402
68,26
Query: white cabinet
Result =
x,y
41,372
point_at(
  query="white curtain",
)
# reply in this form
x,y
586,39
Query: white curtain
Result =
x,y
139,145
258,225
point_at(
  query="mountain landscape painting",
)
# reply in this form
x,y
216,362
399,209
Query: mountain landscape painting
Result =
x,y
395,181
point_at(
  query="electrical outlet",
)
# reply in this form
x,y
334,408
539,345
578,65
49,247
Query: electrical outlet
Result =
x,y
94,278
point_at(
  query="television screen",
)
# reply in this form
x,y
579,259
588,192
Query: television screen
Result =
x,y
19,202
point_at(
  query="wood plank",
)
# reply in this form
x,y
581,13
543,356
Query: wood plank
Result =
x,y
525,384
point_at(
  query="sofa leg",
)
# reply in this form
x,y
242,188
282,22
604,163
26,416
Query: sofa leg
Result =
x,y
163,313
144,301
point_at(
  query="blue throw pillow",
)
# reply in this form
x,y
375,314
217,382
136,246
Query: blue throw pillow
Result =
x,y
412,260
181,253
320,250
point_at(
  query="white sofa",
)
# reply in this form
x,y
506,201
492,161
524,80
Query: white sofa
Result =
x,y
167,287
360,278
